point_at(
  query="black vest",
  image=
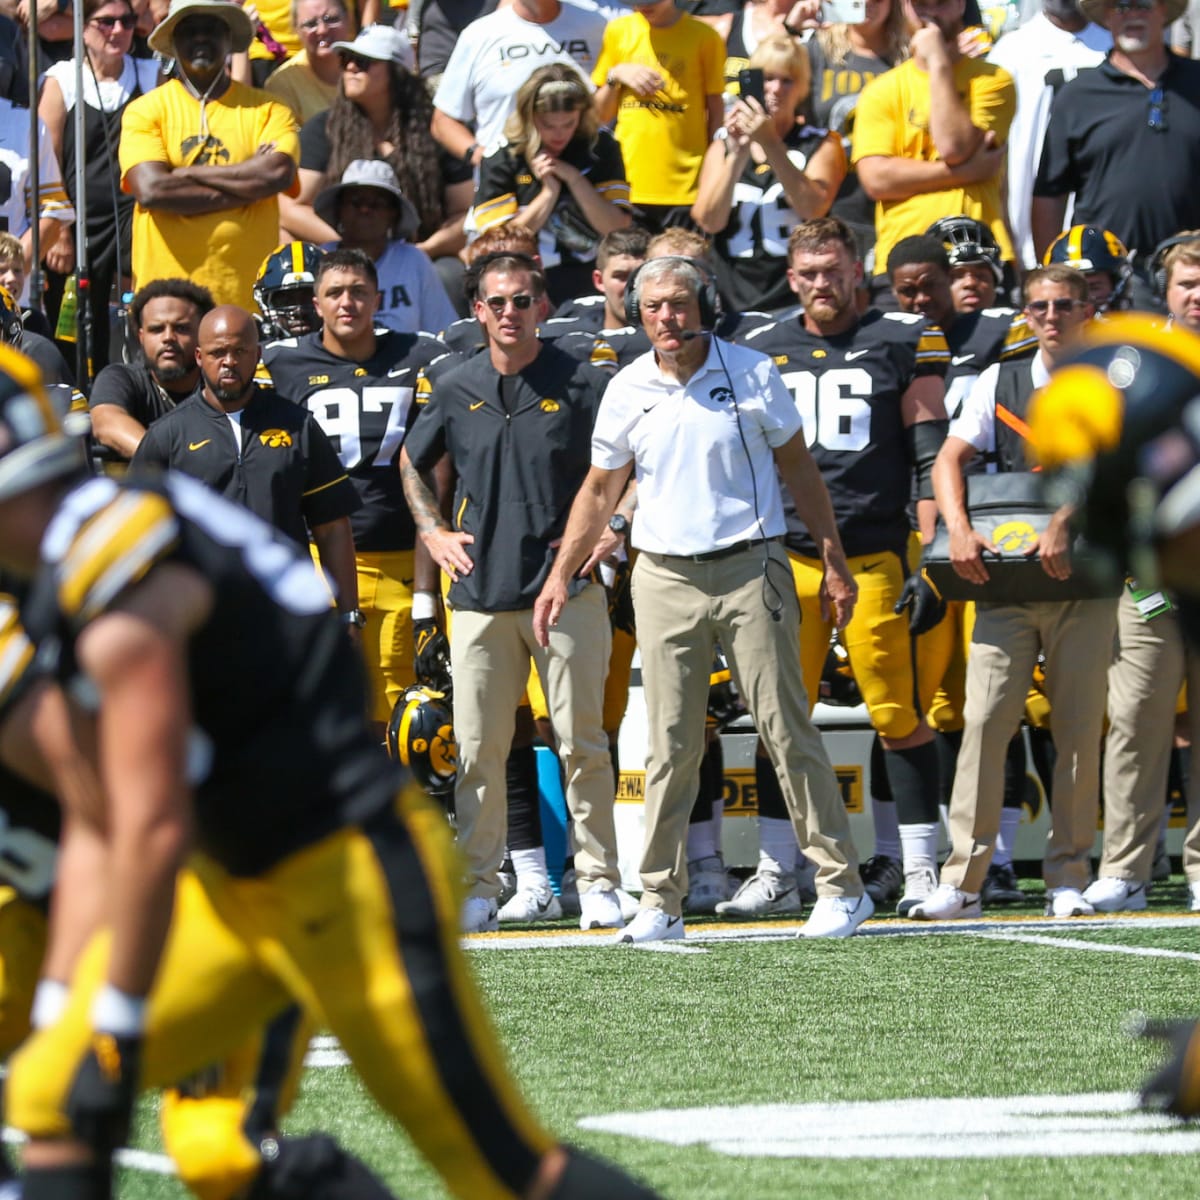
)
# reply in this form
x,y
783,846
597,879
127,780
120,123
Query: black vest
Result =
x,y
1014,387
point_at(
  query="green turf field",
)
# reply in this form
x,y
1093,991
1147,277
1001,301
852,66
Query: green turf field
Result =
x,y
739,1017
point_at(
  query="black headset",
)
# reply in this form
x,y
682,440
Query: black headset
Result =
x,y
710,301
1158,271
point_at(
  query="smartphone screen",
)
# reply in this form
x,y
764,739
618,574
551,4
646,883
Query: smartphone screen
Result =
x,y
750,83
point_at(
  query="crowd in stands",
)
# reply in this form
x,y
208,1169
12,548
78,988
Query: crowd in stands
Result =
x,y
912,214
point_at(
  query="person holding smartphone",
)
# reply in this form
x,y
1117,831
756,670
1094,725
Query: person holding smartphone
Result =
x,y
765,171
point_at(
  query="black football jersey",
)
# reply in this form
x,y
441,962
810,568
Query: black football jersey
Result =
x,y
848,389
30,822
280,752
979,339
365,409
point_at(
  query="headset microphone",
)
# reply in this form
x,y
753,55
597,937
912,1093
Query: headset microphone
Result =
x,y
689,335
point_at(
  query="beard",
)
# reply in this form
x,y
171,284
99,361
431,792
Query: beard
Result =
x,y
1132,44
172,372
228,393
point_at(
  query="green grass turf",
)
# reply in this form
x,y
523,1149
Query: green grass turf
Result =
x,y
597,1030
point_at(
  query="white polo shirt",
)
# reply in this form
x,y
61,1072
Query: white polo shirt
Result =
x,y
696,490
977,421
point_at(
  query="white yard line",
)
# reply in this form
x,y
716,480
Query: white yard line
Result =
x,y
1033,939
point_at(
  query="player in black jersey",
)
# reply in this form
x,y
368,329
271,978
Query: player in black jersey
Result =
x,y
871,394
360,384
618,255
230,727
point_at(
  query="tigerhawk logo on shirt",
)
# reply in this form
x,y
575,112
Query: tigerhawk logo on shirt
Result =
x,y
275,437
550,406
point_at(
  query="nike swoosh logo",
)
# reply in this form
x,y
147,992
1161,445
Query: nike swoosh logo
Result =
x,y
959,359
852,355
869,566
473,407
398,371
198,445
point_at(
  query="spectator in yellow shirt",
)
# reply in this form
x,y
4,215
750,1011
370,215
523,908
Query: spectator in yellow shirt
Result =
x,y
661,73
929,135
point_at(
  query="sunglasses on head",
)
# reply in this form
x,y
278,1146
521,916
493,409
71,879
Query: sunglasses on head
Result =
x,y
521,301
129,21
1062,306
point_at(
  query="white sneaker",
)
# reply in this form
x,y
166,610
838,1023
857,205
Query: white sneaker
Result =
x,y
1110,894
947,903
1067,902
508,885
600,910
568,893
478,915
762,894
837,916
630,905
919,885
707,885
534,903
651,925
1194,894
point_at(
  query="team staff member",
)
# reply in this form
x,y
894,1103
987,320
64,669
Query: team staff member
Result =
x,y
128,397
257,448
297,834
710,570
1074,635
870,393
516,422
360,386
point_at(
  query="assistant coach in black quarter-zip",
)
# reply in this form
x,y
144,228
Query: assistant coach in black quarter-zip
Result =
x,y
259,450
516,422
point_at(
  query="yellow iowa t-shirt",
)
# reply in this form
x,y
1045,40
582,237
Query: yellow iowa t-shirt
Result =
x,y
663,137
892,119
220,250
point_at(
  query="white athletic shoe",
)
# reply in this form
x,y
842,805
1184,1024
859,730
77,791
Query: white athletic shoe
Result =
x,y
947,903
651,925
1110,894
478,915
532,904
837,916
707,885
600,910
919,885
762,894
1194,895
630,905
1067,902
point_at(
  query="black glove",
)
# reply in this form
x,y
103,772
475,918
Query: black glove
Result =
x,y
431,658
1176,1087
100,1102
925,601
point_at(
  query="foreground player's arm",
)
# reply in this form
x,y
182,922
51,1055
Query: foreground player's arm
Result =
x,y
135,654
335,547
923,411
802,477
590,511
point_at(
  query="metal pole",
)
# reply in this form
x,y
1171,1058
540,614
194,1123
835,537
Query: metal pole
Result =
x,y
36,282
83,312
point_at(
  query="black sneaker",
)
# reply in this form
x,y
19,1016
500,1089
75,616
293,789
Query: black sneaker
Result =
x,y
1000,886
883,878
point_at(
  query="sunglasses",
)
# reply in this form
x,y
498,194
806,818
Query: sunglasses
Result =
x,y
1062,306
1125,6
521,301
329,21
126,22
357,61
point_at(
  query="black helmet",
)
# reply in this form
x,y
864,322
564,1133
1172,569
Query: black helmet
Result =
x,y
1088,248
968,241
284,289
421,736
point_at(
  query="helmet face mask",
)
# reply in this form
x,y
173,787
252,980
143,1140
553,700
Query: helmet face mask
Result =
x,y
12,327
285,288
291,309
968,242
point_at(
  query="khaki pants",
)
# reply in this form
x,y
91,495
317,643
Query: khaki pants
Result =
x,y
683,609
1076,637
489,657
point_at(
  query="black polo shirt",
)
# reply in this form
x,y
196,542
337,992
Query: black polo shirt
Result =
x,y
1128,178
284,468
519,466
132,388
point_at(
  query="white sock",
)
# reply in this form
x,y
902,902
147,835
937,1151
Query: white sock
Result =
x,y
887,831
920,844
701,840
1006,839
530,866
777,848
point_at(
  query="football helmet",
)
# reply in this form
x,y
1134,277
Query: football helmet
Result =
x,y
1117,434
421,736
12,326
1088,248
285,287
968,241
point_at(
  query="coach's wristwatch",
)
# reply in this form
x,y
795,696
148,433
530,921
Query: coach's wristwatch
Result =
x,y
354,617
619,524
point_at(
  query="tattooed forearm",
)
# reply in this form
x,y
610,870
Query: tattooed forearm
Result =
x,y
422,502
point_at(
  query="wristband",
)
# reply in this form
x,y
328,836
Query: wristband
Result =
x,y
48,1003
469,153
424,606
118,1013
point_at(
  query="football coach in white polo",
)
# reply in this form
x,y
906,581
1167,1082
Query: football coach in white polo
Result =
x,y
709,428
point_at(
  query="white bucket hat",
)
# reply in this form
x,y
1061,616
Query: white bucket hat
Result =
x,y
369,173
162,38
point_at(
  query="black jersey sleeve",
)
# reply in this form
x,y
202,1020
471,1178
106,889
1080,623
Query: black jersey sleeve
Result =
x,y
116,385
496,192
425,441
